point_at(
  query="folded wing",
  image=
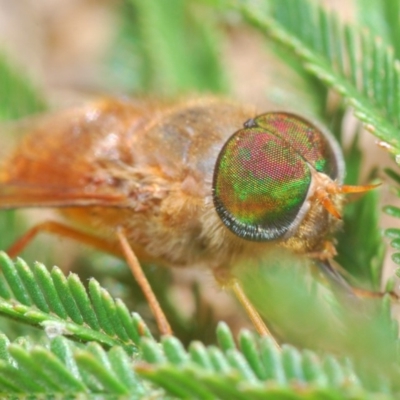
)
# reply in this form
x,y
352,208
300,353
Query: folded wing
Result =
x,y
20,195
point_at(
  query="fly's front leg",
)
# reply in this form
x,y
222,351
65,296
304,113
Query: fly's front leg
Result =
x,y
327,252
324,261
225,279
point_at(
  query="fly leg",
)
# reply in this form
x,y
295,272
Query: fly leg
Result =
x,y
137,272
120,248
58,228
323,259
226,280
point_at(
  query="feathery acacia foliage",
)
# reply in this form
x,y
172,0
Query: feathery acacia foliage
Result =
x,y
255,369
350,60
62,306
95,346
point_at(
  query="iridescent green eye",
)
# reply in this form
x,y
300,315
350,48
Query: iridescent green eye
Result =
x,y
263,174
316,147
260,184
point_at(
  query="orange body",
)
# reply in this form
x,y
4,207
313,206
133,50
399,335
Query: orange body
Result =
x,y
121,163
147,168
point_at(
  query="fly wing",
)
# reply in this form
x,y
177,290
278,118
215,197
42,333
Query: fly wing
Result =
x,y
65,159
19,195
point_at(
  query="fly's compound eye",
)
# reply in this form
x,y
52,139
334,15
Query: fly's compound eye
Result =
x,y
260,184
316,146
263,174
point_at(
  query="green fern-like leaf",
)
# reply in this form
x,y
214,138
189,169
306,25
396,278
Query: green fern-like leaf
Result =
x,y
258,370
362,69
67,369
62,305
